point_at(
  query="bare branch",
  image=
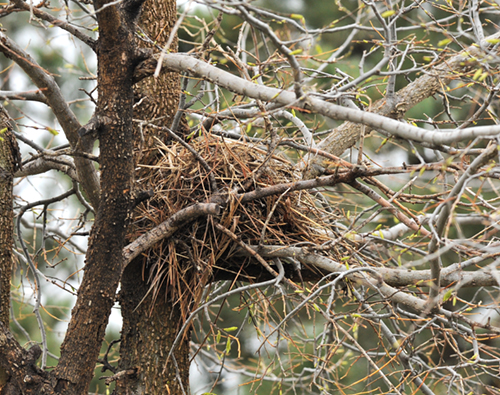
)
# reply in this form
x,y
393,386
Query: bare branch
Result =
x,y
30,95
443,218
346,135
375,282
42,165
183,63
23,6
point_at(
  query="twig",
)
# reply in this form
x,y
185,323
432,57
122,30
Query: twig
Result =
x,y
57,22
410,223
36,308
119,376
269,216
444,218
245,288
104,360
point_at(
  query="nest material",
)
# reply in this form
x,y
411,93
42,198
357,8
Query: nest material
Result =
x,y
185,262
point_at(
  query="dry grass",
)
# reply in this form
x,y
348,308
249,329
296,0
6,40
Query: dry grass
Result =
x,y
183,264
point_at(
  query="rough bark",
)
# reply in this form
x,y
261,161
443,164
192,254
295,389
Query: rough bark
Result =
x,y
157,99
117,58
24,377
150,326
9,158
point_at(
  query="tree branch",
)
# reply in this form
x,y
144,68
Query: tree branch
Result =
x,y
382,281
444,218
451,275
30,95
43,80
168,228
117,58
346,177
200,69
42,165
22,6
347,134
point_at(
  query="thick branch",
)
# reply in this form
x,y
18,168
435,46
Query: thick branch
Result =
x,y
452,275
117,58
381,282
9,156
9,153
200,69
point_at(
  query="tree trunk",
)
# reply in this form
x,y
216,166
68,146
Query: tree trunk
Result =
x,y
150,326
147,335
117,58
9,158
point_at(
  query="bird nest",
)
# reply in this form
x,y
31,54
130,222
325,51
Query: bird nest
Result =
x,y
184,263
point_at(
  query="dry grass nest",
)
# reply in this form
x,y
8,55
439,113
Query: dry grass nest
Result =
x,y
185,262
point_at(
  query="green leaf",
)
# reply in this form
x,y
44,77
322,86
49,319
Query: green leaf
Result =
x,y
483,76
493,40
388,13
477,74
447,295
444,42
